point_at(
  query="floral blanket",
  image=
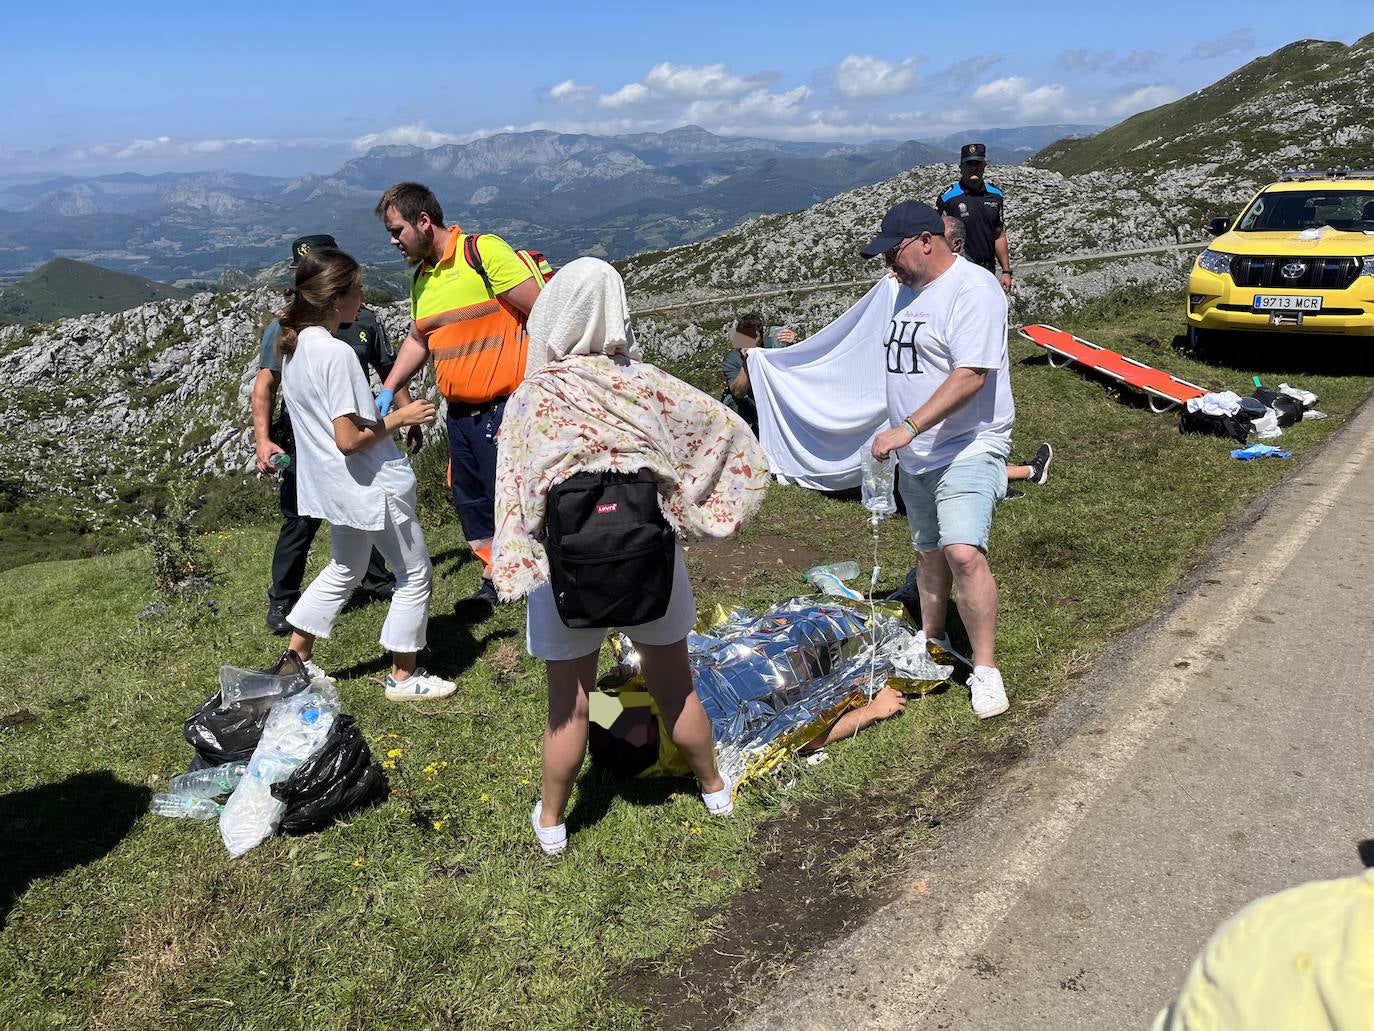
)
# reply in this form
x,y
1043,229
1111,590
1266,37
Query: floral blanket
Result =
x,y
595,413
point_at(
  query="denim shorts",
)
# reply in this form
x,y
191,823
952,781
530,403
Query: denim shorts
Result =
x,y
954,505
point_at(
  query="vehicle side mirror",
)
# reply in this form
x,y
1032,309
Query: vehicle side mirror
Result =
x,y
1218,226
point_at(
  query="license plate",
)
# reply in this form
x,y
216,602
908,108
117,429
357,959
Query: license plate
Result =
x,y
1286,302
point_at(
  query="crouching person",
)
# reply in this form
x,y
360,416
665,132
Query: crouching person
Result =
x,y
603,460
352,474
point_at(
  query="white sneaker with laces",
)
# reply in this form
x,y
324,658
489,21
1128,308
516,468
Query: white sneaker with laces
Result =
x,y
419,686
553,840
989,695
316,671
722,802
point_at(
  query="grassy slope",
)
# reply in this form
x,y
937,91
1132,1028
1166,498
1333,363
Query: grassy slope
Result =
x,y
62,287
123,921
1303,65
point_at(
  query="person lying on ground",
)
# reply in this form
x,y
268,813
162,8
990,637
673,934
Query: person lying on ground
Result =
x,y
739,394
588,404
352,473
886,703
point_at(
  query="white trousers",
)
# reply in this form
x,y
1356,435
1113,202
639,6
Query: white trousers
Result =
x,y
402,544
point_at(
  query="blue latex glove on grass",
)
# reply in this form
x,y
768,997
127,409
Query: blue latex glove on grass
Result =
x,y
384,401
1260,451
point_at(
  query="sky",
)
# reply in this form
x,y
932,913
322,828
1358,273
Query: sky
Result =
x,y
288,88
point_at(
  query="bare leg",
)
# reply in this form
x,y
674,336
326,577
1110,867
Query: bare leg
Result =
x,y
1018,472
303,644
565,737
977,599
933,580
402,665
668,677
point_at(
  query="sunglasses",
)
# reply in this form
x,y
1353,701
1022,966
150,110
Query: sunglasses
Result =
x,y
890,255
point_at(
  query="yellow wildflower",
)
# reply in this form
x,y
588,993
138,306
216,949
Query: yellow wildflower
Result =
x,y
395,753
439,824
388,764
696,830
484,798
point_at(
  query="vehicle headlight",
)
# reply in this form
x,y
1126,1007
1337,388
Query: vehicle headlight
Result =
x,y
1368,269
1218,262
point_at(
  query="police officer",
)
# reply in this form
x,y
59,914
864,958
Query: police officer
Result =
x,y
978,204
273,437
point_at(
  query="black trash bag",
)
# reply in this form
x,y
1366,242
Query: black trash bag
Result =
x,y
1288,409
230,735
1234,426
337,779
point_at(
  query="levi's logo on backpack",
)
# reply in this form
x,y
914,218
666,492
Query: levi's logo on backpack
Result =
x,y
611,553
534,261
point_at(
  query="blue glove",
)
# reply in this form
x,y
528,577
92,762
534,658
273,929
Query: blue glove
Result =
x,y
384,401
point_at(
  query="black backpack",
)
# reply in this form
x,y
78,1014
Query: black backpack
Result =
x,y
611,553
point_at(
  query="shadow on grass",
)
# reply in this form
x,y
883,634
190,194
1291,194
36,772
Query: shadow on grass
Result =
x,y
453,649
597,789
50,829
1313,354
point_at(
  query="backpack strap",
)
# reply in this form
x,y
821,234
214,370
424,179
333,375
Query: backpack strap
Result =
x,y
474,259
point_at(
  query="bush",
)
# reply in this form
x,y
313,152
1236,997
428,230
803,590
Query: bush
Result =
x,y
179,563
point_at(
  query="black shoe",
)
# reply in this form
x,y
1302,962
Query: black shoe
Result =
x,y
478,605
1013,494
1040,466
276,618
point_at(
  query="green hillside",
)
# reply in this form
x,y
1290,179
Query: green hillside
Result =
x,y
1305,105
63,287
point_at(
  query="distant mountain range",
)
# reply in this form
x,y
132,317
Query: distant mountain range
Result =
x,y
567,194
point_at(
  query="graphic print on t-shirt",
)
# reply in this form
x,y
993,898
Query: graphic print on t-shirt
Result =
x,y
901,347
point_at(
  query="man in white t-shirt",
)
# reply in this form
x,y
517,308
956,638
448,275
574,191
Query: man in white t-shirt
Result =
x,y
950,407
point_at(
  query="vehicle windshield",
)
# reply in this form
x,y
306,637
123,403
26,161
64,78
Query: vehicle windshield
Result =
x,y
1290,210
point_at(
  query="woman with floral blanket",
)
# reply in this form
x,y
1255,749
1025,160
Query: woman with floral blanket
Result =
x,y
587,404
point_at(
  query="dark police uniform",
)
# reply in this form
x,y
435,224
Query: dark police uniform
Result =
x,y
369,342
981,214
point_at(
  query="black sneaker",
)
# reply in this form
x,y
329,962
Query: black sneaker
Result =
x,y
276,618
478,605
1013,494
1040,466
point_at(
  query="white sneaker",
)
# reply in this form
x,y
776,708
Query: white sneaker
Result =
x,y
419,686
989,696
317,672
553,840
722,802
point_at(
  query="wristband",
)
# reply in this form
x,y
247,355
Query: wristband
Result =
x,y
1006,272
913,426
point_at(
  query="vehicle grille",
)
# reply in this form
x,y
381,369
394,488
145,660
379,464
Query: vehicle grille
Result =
x,y
1317,273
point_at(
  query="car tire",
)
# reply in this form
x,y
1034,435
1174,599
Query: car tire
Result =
x,y
1198,339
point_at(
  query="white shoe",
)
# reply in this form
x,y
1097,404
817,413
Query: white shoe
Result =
x,y
553,840
316,671
722,802
989,696
417,687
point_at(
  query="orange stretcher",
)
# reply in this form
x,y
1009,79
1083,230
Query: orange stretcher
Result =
x,y
1160,389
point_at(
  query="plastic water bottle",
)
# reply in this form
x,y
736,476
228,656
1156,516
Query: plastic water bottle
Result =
x,y
184,807
877,485
241,685
839,570
217,780
280,462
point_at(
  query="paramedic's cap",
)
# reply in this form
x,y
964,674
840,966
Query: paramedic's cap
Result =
x,y
306,244
973,152
907,219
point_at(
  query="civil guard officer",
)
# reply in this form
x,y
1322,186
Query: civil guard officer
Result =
x,y
978,205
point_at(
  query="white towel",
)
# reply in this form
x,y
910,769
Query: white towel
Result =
x,y
822,400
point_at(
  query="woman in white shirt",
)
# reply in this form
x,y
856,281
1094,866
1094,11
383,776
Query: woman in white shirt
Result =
x,y
352,474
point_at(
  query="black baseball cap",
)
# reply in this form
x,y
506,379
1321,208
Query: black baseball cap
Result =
x,y
306,244
973,152
907,219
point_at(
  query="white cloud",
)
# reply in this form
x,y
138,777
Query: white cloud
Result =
x,y
569,92
415,135
1108,61
963,74
630,93
1236,41
1015,99
757,108
859,77
666,82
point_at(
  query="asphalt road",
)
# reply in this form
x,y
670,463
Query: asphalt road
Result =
x,y
1220,753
